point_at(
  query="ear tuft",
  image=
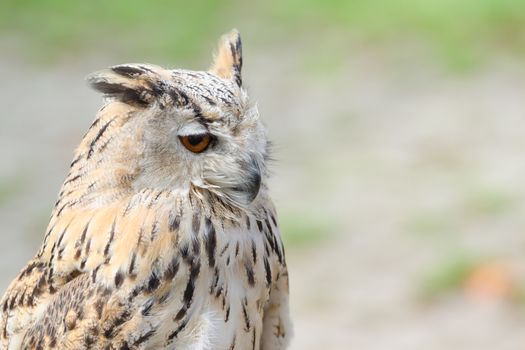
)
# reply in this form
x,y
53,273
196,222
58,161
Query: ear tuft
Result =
x,y
227,62
129,83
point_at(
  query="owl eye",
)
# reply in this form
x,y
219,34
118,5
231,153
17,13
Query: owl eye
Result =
x,y
196,143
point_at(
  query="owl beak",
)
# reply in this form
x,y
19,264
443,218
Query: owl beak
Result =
x,y
253,183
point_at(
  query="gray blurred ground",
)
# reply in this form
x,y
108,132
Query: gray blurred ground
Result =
x,y
410,166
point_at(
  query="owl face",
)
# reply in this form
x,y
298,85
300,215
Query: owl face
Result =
x,y
191,130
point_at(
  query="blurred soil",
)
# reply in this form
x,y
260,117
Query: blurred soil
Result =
x,y
412,176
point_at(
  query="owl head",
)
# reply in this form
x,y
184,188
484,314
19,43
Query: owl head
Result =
x,y
188,130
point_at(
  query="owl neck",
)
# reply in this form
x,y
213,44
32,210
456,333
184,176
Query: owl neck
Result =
x,y
105,163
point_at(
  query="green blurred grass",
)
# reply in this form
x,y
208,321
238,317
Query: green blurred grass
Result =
x,y
461,32
430,223
161,28
301,231
447,277
484,201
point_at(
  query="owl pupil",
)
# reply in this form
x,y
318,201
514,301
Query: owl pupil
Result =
x,y
194,140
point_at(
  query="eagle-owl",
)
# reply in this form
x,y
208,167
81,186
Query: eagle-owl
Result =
x,y
163,235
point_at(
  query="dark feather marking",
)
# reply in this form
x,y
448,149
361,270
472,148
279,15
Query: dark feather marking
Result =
x,y
268,271
131,270
273,219
219,292
249,273
98,136
172,269
185,252
94,274
178,330
128,207
99,307
269,226
154,230
27,271
195,223
105,144
119,278
55,246
143,338
254,252
52,341
111,237
109,332
223,250
246,317
76,160
46,239
215,279
22,297
271,241
141,234
210,241
225,101
174,222
147,307
190,289
84,233
136,291
128,71
209,100
155,199
278,251
97,120
36,292
232,346
164,297
179,97
196,246
127,94
124,346
153,283
12,302
62,208
71,179
237,65
227,315
88,340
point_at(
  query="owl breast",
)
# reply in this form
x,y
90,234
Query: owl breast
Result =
x,y
230,292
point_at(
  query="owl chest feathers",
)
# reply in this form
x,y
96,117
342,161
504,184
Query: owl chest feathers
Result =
x,y
191,279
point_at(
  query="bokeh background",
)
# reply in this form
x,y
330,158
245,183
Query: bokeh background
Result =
x,y
399,132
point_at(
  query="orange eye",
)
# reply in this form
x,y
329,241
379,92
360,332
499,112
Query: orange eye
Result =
x,y
196,143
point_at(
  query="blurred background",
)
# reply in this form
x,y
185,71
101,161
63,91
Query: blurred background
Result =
x,y
399,132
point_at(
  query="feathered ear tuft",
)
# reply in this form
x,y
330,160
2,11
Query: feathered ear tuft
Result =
x,y
227,63
130,83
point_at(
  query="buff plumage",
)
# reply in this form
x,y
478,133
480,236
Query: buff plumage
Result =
x,y
151,246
